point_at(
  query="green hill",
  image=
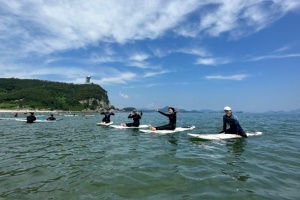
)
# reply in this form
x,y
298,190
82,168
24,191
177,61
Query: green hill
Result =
x,y
39,94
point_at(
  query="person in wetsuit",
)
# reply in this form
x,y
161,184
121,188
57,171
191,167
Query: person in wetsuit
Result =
x,y
51,118
172,120
31,118
107,114
234,125
136,119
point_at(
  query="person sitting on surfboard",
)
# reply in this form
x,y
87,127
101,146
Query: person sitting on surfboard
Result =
x,y
136,119
107,114
172,120
31,118
232,120
51,117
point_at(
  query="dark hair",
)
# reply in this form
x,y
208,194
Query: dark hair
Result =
x,y
172,109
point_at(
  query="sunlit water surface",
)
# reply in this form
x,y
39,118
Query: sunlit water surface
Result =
x,y
75,159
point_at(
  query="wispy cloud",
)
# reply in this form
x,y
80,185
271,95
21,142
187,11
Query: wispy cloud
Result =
x,y
139,57
237,77
239,18
121,78
156,73
212,61
274,57
44,27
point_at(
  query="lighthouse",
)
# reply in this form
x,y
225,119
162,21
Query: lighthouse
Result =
x,y
87,80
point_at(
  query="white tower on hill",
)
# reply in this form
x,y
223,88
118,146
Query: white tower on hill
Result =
x,y
87,80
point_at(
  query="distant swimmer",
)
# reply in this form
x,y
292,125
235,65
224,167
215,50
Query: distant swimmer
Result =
x,y
107,114
172,120
16,114
30,117
51,117
234,125
136,119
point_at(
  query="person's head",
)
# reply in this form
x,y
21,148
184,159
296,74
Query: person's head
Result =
x,y
171,110
134,111
31,113
227,110
51,115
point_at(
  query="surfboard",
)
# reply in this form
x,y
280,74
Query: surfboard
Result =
x,y
3,118
104,124
178,129
221,136
132,127
38,120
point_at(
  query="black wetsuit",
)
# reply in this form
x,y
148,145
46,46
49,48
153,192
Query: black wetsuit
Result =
x,y
172,122
51,118
234,124
136,120
31,118
106,117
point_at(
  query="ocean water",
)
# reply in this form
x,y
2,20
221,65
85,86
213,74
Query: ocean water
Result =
x,y
75,159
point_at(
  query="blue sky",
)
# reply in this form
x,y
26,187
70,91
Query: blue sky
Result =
x,y
188,54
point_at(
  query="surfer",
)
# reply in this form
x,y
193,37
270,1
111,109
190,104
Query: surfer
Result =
x,y
136,119
51,117
172,120
107,114
31,118
232,120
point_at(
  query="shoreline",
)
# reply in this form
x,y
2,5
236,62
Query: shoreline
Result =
x,y
41,111
25,111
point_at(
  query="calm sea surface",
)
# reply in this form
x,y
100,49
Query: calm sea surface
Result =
x,y
75,159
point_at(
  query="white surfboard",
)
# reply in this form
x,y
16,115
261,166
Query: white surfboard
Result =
x,y
38,120
132,127
221,136
104,124
178,129
3,118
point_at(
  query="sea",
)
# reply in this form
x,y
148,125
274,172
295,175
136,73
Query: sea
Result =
x,y
74,158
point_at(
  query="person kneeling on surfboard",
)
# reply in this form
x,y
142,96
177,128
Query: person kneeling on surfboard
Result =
x,y
172,120
232,120
51,118
107,114
31,118
136,119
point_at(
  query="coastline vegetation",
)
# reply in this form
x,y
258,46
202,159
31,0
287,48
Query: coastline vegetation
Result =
x,y
49,95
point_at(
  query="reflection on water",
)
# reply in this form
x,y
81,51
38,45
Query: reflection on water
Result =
x,y
235,159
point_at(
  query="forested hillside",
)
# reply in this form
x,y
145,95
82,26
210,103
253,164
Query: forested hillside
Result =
x,y
38,94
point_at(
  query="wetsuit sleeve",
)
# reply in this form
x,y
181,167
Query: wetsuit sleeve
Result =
x,y
130,116
164,113
112,113
224,124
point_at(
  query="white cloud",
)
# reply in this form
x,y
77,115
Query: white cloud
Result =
x,y
274,57
237,77
240,18
125,96
119,78
156,73
139,57
43,27
212,61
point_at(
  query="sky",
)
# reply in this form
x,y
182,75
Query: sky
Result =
x,y
192,54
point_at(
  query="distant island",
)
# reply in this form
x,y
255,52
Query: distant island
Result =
x,y
48,95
